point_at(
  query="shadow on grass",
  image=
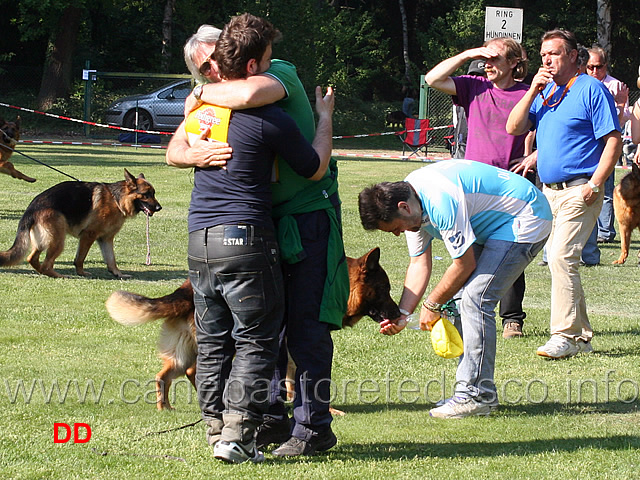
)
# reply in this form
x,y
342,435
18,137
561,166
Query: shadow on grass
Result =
x,y
529,409
101,273
405,450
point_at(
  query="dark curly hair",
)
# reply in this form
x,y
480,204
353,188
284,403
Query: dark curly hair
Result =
x,y
245,37
379,203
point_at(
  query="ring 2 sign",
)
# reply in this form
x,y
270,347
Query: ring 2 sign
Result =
x,y
503,22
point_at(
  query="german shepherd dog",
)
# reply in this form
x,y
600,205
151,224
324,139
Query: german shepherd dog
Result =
x,y
368,295
626,205
9,136
89,211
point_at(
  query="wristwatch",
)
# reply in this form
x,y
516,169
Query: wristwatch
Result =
x,y
197,92
594,188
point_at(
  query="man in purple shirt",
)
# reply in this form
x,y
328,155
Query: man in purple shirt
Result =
x,y
487,104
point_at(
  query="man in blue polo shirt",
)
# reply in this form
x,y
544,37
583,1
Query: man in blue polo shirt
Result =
x,y
493,223
579,143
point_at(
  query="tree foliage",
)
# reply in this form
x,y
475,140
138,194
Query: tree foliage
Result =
x,y
356,45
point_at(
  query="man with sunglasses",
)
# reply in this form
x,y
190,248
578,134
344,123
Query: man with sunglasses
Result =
x,y
579,142
308,220
597,67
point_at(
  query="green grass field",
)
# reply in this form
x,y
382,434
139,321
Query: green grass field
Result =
x,y
65,361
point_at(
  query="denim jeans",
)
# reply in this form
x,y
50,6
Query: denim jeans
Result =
x,y
239,307
498,264
305,337
606,230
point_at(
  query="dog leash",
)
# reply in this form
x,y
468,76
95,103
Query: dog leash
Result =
x,y
38,161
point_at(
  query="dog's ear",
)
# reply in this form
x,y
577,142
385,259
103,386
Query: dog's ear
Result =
x,y
128,177
141,176
372,260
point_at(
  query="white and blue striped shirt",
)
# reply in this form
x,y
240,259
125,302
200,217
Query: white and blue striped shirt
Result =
x,y
465,202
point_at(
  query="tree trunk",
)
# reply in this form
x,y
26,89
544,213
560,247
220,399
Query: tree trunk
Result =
x,y
167,23
405,44
56,78
603,19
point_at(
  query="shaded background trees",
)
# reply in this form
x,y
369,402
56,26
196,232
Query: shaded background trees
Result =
x,y
366,48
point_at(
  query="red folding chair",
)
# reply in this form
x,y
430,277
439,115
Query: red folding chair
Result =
x,y
415,136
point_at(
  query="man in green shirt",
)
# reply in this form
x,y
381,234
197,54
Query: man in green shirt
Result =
x,y
307,216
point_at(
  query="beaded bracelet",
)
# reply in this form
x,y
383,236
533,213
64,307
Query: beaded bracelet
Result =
x,y
434,307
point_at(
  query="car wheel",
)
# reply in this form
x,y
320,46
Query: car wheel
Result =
x,y
145,122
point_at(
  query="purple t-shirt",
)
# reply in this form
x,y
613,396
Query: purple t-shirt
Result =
x,y
487,109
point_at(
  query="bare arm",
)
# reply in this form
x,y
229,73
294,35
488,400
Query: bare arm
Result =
x,y
415,283
253,91
323,141
518,121
635,123
453,279
610,154
203,154
439,77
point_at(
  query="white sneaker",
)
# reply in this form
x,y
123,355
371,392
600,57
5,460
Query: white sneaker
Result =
x,y
559,347
493,405
459,407
234,452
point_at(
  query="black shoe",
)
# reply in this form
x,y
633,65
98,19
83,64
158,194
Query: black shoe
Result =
x,y
271,431
588,265
295,447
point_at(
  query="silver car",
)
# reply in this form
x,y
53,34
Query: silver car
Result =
x,y
162,109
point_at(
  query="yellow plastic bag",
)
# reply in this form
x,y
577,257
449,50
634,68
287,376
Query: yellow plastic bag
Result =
x,y
446,340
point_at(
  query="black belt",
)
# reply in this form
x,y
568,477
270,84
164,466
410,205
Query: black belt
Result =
x,y
569,183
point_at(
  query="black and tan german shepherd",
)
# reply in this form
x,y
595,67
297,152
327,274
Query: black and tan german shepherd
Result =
x,y
369,294
9,136
626,205
89,211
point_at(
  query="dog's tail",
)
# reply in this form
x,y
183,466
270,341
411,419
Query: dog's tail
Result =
x,y
131,309
20,246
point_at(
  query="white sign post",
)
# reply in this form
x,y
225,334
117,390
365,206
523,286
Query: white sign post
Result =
x,y
503,22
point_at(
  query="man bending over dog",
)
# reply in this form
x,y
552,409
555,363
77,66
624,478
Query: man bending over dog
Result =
x,y
493,223
316,276
234,259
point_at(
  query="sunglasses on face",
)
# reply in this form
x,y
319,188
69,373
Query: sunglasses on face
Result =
x,y
205,68
595,67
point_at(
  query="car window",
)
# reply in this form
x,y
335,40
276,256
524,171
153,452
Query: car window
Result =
x,y
182,91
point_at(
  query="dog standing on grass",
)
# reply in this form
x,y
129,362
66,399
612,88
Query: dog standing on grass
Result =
x,y
89,211
626,205
369,294
9,136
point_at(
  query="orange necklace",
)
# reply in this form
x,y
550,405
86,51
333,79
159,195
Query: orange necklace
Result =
x,y
545,101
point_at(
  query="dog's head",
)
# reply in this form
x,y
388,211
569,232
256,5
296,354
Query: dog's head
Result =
x,y
142,194
10,132
369,290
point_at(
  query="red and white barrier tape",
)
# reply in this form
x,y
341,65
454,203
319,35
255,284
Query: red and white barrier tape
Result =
x,y
125,129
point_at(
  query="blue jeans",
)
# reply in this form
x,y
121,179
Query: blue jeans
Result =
x,y
591,251
308,340
239,307
498,264
606,229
